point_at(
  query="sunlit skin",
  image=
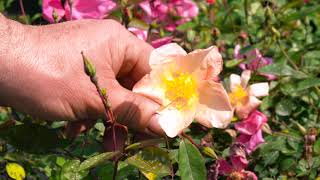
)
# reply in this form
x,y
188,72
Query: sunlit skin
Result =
x,y
42,71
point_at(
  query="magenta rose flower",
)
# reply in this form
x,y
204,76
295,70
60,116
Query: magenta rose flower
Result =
x,y
255,61
90,9
170,13
51,8
250,130
140,33
162,41
236,169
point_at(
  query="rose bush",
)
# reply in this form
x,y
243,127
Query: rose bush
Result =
x,y
238,82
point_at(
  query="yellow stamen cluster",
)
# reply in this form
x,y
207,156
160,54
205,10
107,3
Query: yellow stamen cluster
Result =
x,y
238,95
180,89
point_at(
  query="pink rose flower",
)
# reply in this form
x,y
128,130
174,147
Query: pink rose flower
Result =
x,y
250,130
155,10
162,41
243,97
90,9
163,12
51,7
255,61
140,33
236,170
184,8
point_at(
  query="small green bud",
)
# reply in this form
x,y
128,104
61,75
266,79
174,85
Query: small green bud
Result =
x,y
209,152
55,16
88,66
275,32
104,92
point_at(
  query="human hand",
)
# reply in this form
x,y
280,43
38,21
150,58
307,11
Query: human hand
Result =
x,y
45,74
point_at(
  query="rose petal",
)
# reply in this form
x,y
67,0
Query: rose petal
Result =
x,y
236,52
173,121
250,175
205,63
245,77
140,33
185,8
252,124
244,110
251,142
162,41
224,167
149,87
239,163
165,54
212,117
49,6
259,89
89,9
214,96
235,80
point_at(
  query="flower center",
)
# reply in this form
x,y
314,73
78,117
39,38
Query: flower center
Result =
x,y
180,90
238,96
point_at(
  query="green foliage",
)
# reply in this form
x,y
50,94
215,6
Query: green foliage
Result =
x,y
191,163
286,30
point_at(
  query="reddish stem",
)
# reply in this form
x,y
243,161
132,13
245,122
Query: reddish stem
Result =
x,y
22,8
190,139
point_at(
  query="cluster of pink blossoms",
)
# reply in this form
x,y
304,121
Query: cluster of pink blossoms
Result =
x,y
168,13
245,102
54,11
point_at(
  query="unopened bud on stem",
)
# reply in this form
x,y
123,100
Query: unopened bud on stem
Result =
x,y
88,66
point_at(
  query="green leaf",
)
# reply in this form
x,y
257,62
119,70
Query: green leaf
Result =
x,y
191,163
33,138
316,147
282,69
271,158
247,49
70,171
233,63
302,13
137,23
284,107
152,160
307,83
60,161
191,35
186,26
97,160
287,163
145,143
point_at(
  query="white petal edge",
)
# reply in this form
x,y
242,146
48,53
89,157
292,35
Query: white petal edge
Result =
x,y
259,89
213,118
173,121
245,77
235,80
165,54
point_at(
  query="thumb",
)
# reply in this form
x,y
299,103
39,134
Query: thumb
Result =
x,y
131,109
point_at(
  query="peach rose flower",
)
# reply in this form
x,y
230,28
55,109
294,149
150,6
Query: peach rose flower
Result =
x,y
183,84
243,97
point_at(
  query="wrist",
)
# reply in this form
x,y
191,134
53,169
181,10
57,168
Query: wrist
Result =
x,y
11,52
